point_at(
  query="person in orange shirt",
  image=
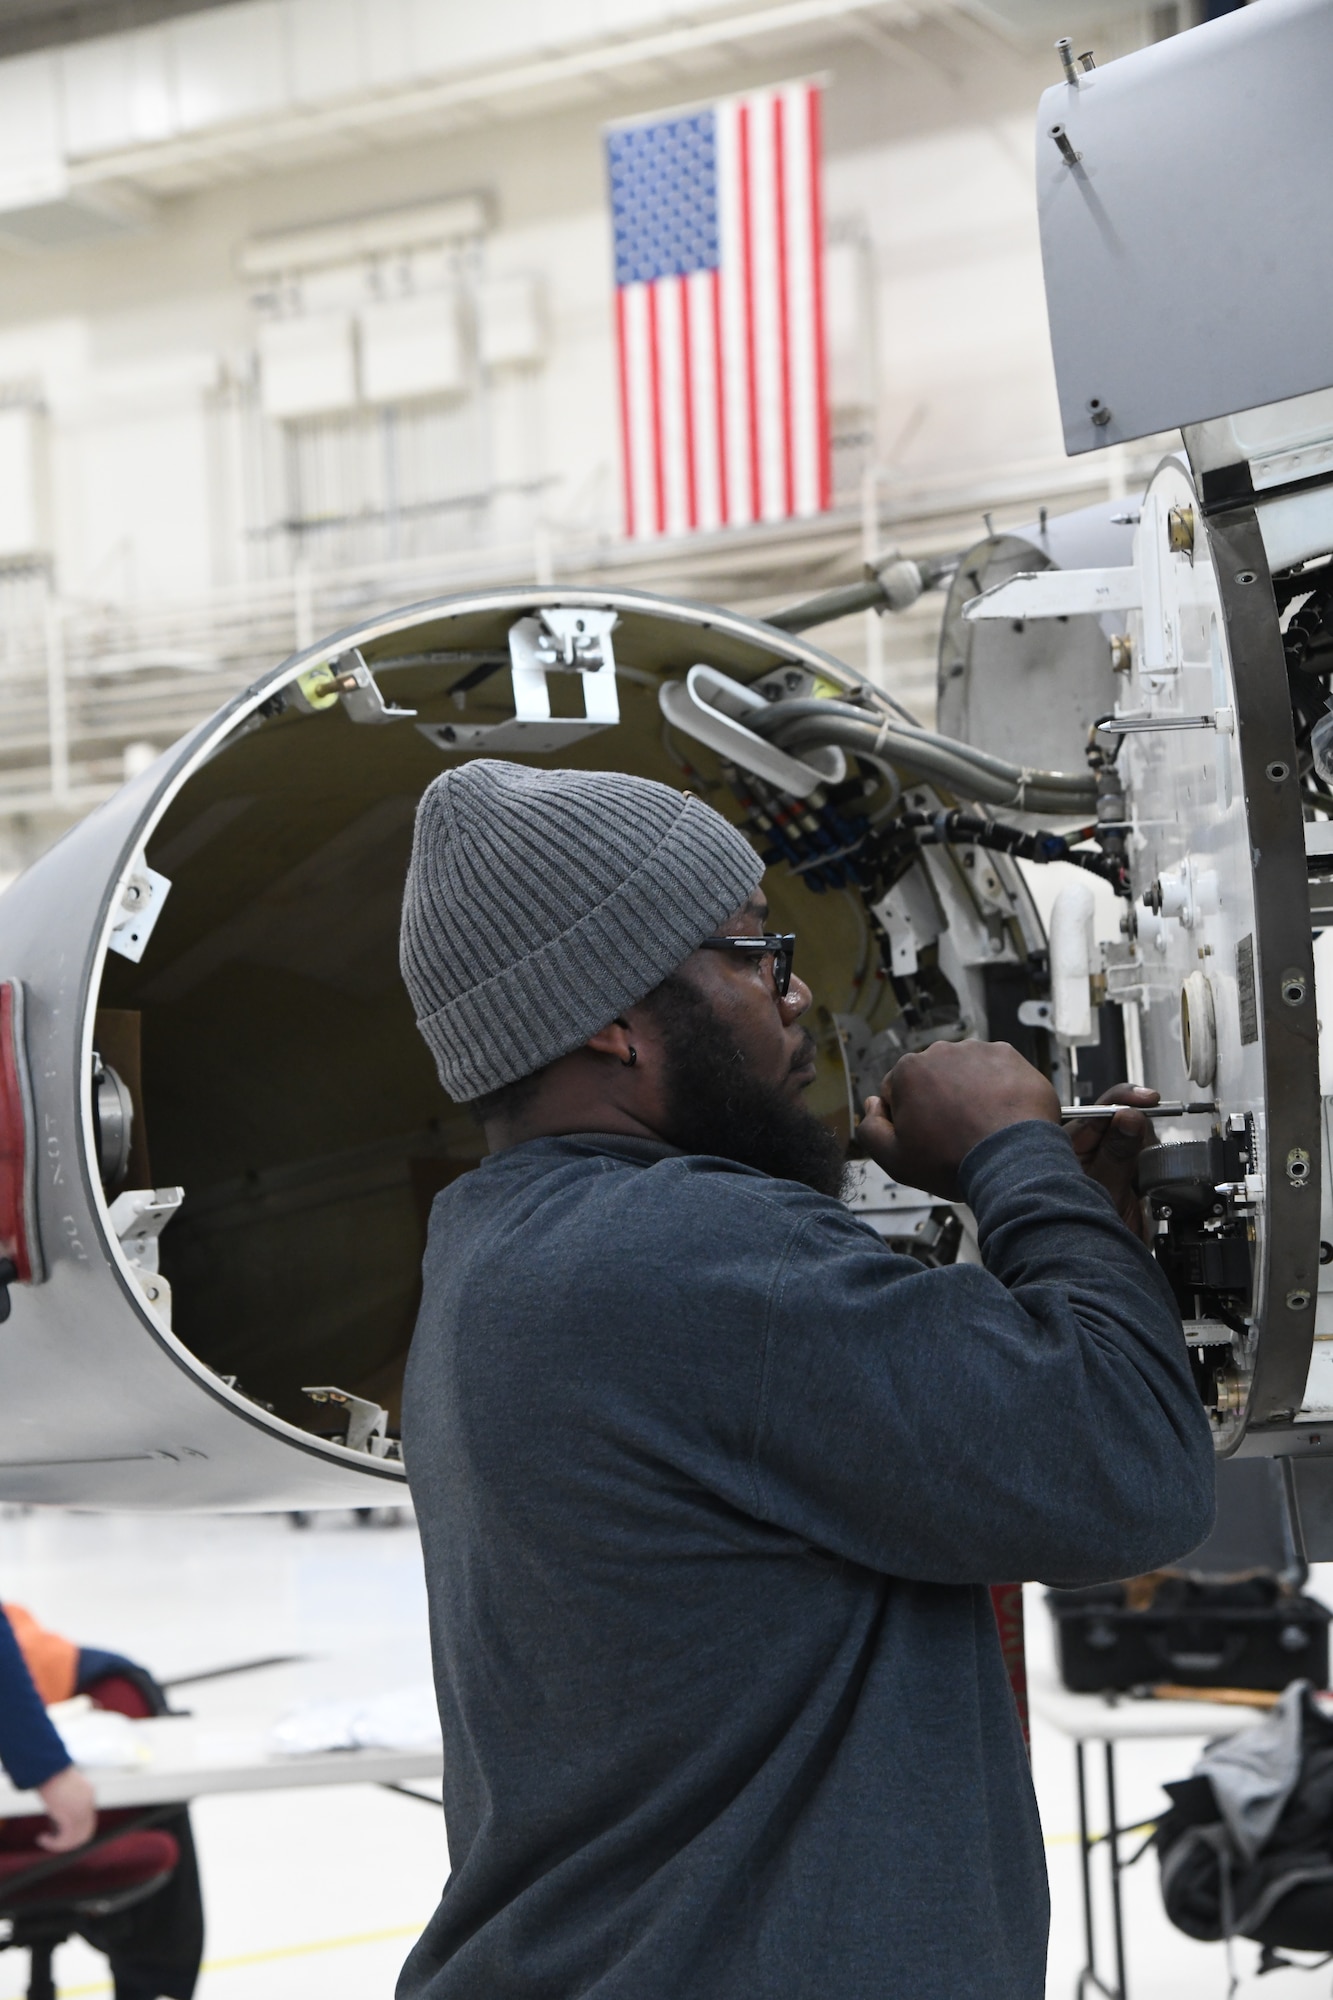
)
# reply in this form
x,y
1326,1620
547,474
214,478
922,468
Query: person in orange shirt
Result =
x,y
154,1946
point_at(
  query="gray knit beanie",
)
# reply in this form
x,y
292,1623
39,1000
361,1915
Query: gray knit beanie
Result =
x,y
540,904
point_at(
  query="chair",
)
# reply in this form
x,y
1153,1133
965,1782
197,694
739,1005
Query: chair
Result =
x,y
47,1897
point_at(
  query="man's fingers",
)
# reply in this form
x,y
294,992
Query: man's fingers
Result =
x,y
878,1137
1125,1135
1139,1096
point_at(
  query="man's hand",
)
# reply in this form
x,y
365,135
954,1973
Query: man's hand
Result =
x,y
1109,1148
938,1105
68,1797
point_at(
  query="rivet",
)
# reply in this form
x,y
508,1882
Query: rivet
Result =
x,y
1247,576
1298,1300
1293,988
1277,771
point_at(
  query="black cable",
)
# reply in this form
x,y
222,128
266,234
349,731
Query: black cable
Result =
x,y
963,829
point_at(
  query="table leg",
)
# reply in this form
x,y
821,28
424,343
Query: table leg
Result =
x,y
1085,1863
1113,1840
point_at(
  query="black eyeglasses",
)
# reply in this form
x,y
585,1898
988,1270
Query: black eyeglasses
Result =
x,y
780,947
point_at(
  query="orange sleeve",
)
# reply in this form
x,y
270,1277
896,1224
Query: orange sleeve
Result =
x,y
52,1661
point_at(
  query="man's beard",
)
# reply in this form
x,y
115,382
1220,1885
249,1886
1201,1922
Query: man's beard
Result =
x,y
714,1105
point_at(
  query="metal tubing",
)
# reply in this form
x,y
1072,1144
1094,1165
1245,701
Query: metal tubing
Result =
x,y
1113,1843
773,721
830,604
1085,1864
937,761
57,701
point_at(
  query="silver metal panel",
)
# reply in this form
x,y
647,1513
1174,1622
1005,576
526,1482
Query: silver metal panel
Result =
x,y
1188,251
1028,691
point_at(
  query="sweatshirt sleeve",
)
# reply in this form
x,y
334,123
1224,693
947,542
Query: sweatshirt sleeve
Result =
x,y
30,1749
1035,1417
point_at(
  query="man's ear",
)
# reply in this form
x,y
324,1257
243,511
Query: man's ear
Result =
x,y
614,1040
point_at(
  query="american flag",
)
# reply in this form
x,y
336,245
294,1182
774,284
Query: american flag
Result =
x,y
720,313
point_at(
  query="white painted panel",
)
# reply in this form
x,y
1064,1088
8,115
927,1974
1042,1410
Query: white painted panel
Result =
x,y
21,524
96,79
564,21
307,365
412,347
134,507
511,331
31,146
457,37
1165,288
386,28
851,369
153,109
230,64
324,45
620,16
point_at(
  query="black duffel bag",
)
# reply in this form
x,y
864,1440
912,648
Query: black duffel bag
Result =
x,y
1263,1870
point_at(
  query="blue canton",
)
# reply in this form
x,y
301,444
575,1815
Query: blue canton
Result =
x,y
664,198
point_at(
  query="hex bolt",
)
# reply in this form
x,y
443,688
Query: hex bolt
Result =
x,y
1068,154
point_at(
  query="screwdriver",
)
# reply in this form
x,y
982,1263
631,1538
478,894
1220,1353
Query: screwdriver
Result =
x,y
1205,1107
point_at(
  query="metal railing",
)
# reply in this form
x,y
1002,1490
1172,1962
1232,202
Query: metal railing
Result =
x,y
89,692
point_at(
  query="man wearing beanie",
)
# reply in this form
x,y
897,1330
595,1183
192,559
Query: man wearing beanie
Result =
x,y
711,1483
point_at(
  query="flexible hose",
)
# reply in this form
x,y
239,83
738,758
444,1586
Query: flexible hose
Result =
x,y
960,765
936,759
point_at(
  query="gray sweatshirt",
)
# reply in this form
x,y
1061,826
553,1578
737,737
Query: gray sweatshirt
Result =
x,y
710,1486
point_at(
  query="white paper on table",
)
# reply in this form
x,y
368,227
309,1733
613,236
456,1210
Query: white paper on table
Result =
x,y
102,1740
403,1719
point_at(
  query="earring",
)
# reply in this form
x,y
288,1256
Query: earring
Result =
x,y
630,1060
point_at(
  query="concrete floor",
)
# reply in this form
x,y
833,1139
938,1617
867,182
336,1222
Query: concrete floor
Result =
x,y
318,1895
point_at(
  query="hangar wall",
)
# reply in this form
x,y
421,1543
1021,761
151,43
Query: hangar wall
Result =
x,y
305,309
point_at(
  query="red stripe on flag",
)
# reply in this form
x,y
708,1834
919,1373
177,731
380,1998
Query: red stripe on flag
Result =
x,y
655,379
720,397
687,398
817,272
747,286
622,358
784,322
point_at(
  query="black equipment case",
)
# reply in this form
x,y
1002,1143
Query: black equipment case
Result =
x,y
1230,1615
1243,1634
